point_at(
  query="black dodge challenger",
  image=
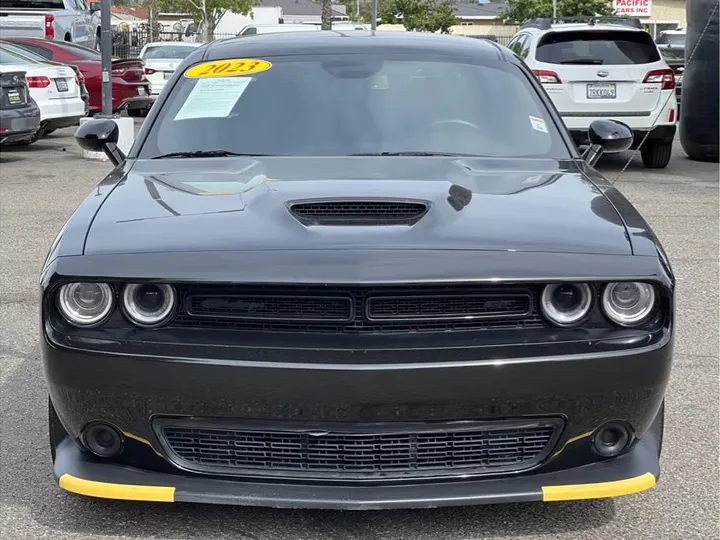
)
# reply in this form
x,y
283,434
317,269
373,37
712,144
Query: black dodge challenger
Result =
x,y
355,271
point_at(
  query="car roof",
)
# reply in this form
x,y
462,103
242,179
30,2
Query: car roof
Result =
x,y
327,42
574,27
173,44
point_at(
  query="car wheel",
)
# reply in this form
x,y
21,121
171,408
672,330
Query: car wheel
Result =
x,y
656,154
55,429
49,131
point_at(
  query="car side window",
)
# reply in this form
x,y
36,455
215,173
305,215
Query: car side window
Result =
x,y
520,45
41,51
525,47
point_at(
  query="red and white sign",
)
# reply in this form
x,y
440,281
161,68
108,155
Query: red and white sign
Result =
x,y
633,8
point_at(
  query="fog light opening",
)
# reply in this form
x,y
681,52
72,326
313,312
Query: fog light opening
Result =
x,y
103,440
611,439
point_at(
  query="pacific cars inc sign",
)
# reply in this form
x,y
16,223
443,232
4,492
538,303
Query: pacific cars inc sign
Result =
x,y
633,8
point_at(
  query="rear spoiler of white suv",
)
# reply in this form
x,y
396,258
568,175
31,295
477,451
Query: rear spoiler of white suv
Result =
x,y
545,23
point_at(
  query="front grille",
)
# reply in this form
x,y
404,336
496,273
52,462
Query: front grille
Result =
x,y
358,452
358,309
359,212
271,307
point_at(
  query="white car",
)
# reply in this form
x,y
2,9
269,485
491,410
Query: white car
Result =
x,y
55,89
161,59
604,67
255,29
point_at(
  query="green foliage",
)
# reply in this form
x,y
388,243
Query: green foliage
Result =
x,y
419,15
206,10
518,11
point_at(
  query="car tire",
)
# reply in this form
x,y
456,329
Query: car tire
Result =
x,y
49,131
656,154
135,113
55,429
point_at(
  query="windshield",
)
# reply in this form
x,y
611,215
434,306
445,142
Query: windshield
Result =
x,y
340,105
8,56
77,50
31,57
609,47
167,51
672,39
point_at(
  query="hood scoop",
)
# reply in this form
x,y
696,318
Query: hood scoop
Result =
x,y
366,212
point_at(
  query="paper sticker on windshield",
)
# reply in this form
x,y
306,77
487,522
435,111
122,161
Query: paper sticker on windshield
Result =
x,y
227,68
213,98
538,124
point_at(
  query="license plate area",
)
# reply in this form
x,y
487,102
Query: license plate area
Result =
x,y
14,97
141,90
601,91
167,74
61,85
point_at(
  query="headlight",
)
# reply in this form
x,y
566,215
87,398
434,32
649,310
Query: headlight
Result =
x,y
85,304
148,304
566,304
628,303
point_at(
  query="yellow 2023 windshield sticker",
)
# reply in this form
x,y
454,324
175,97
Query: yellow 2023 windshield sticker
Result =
x,y
227,68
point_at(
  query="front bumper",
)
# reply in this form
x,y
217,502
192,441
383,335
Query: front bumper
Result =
x,y
131,391
634,472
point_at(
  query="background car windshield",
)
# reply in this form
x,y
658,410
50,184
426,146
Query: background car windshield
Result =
x,y
598,47
338,105
10,57
673,39
168,51
30,56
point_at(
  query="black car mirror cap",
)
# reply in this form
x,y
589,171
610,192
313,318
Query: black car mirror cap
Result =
x,y
101,135
94,6
607,136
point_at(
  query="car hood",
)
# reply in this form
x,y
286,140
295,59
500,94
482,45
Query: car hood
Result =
x,y
239,204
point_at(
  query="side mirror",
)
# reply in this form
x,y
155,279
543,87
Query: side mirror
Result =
x,y
94,6
607,136
101,135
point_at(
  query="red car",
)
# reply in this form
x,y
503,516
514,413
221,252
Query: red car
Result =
x,y
130,87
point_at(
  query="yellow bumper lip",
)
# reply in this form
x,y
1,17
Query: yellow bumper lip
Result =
x,y
601,490
570,492
126,492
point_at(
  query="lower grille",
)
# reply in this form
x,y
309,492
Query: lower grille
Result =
x,y
358,452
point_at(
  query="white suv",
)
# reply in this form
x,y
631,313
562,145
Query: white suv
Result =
x,y
604,67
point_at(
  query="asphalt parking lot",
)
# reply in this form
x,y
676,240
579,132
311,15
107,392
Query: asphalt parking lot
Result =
x,y
41,185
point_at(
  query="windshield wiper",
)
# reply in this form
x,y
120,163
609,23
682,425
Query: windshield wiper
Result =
x,y
206,154
588,61
448,154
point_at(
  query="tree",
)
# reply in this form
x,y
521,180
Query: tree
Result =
x,y
207,12
519,11
419,15
326,15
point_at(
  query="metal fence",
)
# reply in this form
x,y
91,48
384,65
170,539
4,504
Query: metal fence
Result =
x,y
129,43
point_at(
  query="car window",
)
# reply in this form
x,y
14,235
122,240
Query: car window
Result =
x,y
40,51
25,53
672,39
338,105
167,51
78,50
9,56
33,4
249,31
610,47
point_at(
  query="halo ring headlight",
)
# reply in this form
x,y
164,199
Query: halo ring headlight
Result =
x,y
85,304
628,303
148,304
566,304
